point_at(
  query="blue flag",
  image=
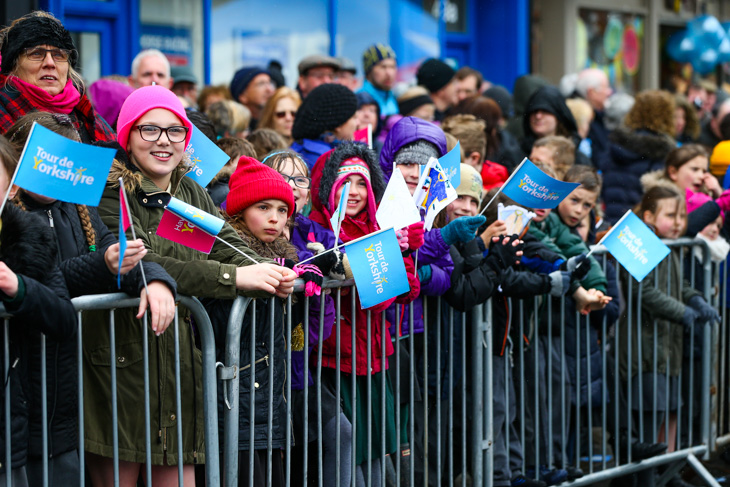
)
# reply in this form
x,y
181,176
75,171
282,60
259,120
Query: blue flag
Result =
x,y
531,187
204,221
122,238
54,166
451,163
378,267
207,158
635,246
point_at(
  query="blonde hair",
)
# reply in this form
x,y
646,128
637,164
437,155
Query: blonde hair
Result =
x,y
269,111
563,152
581,110
228,117
470,131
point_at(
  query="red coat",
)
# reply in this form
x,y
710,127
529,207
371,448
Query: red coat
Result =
x,y
357,227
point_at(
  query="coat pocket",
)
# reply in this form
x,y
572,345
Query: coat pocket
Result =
x,y
127,355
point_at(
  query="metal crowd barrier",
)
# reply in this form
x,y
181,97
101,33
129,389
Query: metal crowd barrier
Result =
x,y
443,401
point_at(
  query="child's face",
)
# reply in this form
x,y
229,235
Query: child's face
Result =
x,y
712,231
266,219
541,214
347,129
584,227
294,170
462,206
411,173
669,219
157,159
690,174
357,199
576,206
367,114
543,154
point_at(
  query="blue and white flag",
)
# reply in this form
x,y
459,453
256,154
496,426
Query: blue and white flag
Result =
x,y
635,246
377,265
531,187
56,167
451,162
434,191
339,214
207,158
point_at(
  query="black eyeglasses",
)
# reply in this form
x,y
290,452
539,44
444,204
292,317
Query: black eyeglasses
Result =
x,y
37,54
299,181
152,133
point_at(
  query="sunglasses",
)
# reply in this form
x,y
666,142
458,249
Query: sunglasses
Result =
x,y
284,113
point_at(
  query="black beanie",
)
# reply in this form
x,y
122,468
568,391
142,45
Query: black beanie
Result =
x,y
434,74
35,30
325,108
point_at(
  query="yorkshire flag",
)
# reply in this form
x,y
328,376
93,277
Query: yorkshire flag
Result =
x,y
206,157
531,187
190,226
434,192
635,246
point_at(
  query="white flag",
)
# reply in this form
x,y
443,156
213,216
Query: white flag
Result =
x,y
397,208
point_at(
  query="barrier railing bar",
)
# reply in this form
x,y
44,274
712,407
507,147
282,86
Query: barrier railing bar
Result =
x,y
115,417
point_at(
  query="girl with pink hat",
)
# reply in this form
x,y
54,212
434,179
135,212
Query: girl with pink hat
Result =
x,y
154,131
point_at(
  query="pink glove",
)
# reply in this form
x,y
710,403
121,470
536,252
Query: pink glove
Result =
x,y
312,277
415,235
402,235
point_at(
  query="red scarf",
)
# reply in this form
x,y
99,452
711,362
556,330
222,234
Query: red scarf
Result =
x,y
63,102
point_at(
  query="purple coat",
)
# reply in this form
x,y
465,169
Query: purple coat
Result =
x,y
435,253
407,130
303,232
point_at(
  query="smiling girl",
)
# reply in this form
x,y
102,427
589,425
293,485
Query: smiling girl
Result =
x,y
154,131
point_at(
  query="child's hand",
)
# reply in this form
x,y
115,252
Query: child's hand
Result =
x,y
590,300
712,185
415,235
134,253
494,230
402,236
161,303
8,280
260,277
286,286
312,277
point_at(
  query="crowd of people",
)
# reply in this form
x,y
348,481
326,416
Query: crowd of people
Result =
x,y
662,155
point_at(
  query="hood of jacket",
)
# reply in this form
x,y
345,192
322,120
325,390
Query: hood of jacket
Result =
x,y
525,86
644,143
27,243
407,130
656,178
549,99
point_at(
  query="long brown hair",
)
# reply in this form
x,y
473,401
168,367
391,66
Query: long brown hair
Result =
x,y
650,201
62,125
682,155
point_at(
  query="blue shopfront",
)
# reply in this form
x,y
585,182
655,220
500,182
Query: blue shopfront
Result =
x,y
216,37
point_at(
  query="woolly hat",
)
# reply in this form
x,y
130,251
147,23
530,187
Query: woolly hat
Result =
x,y
35,30
471,183
325,108
243,78
107,96
434,74
252,182
374,54
141,101
417,152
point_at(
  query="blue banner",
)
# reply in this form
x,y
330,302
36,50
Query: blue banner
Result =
x,y
207,158
635,246
378,267
205,221
56,167
451,163
531,187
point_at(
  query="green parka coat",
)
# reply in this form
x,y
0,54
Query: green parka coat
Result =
x,y
197,274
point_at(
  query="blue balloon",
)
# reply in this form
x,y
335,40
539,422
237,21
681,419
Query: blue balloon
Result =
x,y
705,63
707,30
711,43
681,47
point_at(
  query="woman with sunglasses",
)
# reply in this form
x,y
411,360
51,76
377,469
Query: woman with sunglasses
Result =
x,y
280,111
38,74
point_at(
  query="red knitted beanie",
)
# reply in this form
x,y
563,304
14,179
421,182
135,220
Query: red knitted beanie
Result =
x,y
253,182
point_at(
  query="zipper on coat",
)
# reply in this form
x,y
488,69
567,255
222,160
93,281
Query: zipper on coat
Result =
x,y
264,358
50,217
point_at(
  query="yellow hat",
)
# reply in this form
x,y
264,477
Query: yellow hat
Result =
x,y
471,183
720,159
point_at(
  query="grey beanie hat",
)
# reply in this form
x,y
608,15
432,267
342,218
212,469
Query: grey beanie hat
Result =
x,y
417,152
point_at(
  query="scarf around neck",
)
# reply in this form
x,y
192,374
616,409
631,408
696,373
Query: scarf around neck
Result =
x,y
64,102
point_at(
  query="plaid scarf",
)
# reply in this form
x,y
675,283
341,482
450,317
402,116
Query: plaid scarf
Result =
x,y
13,105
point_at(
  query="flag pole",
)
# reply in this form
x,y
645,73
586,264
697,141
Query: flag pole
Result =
x,y
237,250
17,168
134,235
503,185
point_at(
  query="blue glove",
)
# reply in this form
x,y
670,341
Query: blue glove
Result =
x,y
704,310
689,317
463,229
559,283
424,273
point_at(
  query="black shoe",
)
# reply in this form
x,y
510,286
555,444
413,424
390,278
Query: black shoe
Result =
x,y
642,451
574,473
522,481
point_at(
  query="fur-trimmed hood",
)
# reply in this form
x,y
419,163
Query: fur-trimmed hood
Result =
x,y
656,178
643,142
27,244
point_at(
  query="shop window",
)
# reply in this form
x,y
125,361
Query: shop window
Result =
x,y
613,42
